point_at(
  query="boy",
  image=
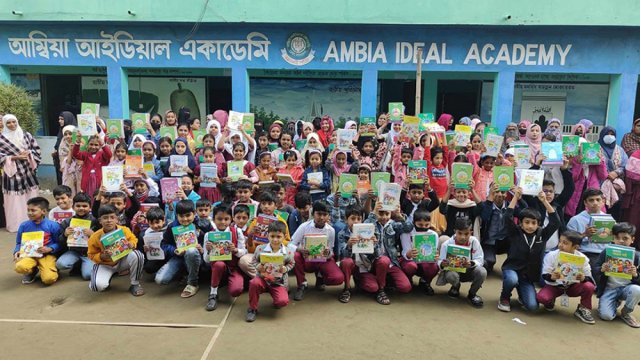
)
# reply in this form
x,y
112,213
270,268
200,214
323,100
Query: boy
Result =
x,y
460,206
271,279
62,194
302,211
118,200
612,290
526,247
177,260
339,204
417,201
593,201
228,269
426,270
203,210
569,243
241,221
474,269
155,219
346,240
244,192
72,255
105,267
327,272
281,205
185,193
29,267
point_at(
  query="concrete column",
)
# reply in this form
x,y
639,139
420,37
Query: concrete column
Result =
x,y
502,106
369,93
622,100
118,87
5,76
240,89
430,93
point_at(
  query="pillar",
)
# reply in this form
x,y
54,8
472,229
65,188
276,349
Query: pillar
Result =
x,y
240,89
502,105
5,75
369,93
622,101
430,93
118,87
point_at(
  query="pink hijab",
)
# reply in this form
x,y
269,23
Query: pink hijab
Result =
x,y
339,170
576,127
444,120
527,124
534,145
222,117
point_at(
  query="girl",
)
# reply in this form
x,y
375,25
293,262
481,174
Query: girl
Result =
x,y
154,127
579,129
307,128
401,157
209,141
275,130
446,121
170,118
96,156
370,152
588,124
70,168
119,155
523,126
209,157
313,143
437,168
337,165
476,149
149,158
265,170
263,145
484,176
631,140
286,144
326,129
165,145
231,137
136,141
221,117
181,147
616,160
311,181
195,125
185,132
213,128
248,169
480,128
292,167
554,128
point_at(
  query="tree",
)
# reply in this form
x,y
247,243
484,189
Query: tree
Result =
x,y
14,100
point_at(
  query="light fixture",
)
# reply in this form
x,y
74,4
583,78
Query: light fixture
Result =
x,y
16,12
132,13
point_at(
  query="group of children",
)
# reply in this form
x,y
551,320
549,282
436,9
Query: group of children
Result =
x,y
532,230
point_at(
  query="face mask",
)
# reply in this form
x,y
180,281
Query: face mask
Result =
x,y
155,126
522,131
419,229
609,139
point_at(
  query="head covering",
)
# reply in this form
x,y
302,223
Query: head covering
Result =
x,y
524,124
153,144
291,123
588,124
306,125
127,133
69,119
607,148
510,151
222,117
534,145
210,125
16,137
475,123
306,147
133,139
71,128
273,125
631,140
350,123
577,126
325,136
554,120
444,120
338,170
555,133
191,159
465,121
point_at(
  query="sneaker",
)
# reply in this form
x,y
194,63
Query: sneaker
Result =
x,y
475,300
454,292
584,315
629,319
212,304
299,294
251,315
550,307
29,278
504,305
320,284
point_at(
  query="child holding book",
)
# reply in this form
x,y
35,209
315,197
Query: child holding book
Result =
x,y
346,240
425,270
119,155
337,164
483,177
181,147
265,170
416,199
64,202
155,219
401,157
149,158
105,267
248,169
209,157
593,203
272,277
71,169
584,286
72,255
293,169
286,144
315,178
370,152
96,156
45,261
262,139
186,192
165,146
460,206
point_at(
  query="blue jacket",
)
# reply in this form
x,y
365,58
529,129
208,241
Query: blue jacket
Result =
x,y
156,169
169,242
388,236
51,233
326,182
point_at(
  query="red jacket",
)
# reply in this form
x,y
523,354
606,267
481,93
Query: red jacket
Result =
x,y
101,158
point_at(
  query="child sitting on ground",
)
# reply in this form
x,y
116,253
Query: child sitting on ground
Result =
x,y
425,270
62,194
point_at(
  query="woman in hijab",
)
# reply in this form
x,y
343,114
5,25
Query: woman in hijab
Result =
x,y
584,176
523,127
631,140
213,128
19,157
580,130
465,121
326,129
533,138
510,136
65,118
588,124
554,130
70,167
616,160
446,121
222,117
307,128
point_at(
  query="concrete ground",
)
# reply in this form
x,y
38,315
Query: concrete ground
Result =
x,y
67,321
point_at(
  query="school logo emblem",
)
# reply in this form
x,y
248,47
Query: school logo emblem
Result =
x,y
297,50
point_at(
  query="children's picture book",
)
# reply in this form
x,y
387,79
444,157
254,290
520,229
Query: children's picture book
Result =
x,y
457,256
144,207
618,261
569,266
316,244
369,124
521,154
425,118
396,110
178,165
170,187
60,215
410,128
283,214
363,187
390,196
87,124
378,178
112,177
260,233
221,241
590,153
462,174
139,122
449,136
132,166
235,169
317,176
493,143
417,171
197,137
30,242
271,266
78,238
84,140
208,174
300,144
348,184
116,243
463,135
235,120
531,181
571,145
604,225
366,232
153,240
115,128
149,169
253,211
248,122
273,146
344,138
90,108
503,177
552,151
490,130
185,237
427,245
170,131
285,178
135,152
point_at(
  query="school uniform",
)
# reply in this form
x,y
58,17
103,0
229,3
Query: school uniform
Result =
x,y
278,287
327,270
229,269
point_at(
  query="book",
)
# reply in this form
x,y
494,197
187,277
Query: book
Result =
x,y
427,245
153,240
30,242
590,153
253,211
348,184
457,256
235,169
132,166
363,187
425,118
390,196
521,154
552,151
84,140
90,108
134,152
410,129
169,131
396,110
378,178
463,135
208,174
300,144
317,176
271,266
531,181
449,136
344,138
221,241
571,145
462,174
260,230
503,177
369,124
116,243
316,244
60,216
248,122
164,160
273,146
185,237
144,207
139,122
112,177
365,245
235,120
87,124
417,171
283,214
493,143
78,238
149,169
198,135
178,165
285,178
604,225
569,266
170,187
115,128
618,261
490,130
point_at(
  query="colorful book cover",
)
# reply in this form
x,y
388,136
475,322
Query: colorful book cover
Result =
x,y
84,140
552,151
178,165
410,128
348,184
248,122
221,241
169,131
60,216
390,196
396,110
134,152
503,177
115,128
144,207
590,153
317,176
282,214
345,138
253,211
531,181
208,175
490,130
425,118
571,145
112,177
271,266
316,244
116,243
604,225
149,169
462,174
569,266
235,120
300,144
365,244
619,261
132,166
284,177
493,143
449,136
363,187
427,245
378,178
463,135
273,146
521,153
457,256
90,108
153,240
139,122
417,171
170,187
260,230
235,169
185,237
87,124
30,243
197,138
369,124
78,238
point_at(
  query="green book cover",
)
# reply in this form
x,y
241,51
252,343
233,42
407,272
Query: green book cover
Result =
x,y
221,241
427,245
185,237
378,178
83,142
117,244
590,153
248,122
503,177
417,171
139,121
283,214
115,128
348,183
425,118
396,110
457,256
235,169
253,210
197,137
490,130
604,225
300,144
169,131
273,146
134,152
90,108
449,136
618,261
369,124
331,147
367,120
462,175
570,145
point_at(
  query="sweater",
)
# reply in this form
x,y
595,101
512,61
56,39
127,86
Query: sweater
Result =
x,y
66,223
169,242
92,163
51,231
95,245
453,210
289,263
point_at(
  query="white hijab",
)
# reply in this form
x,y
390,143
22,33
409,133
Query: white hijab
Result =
x,y
210,126
16,137
137,136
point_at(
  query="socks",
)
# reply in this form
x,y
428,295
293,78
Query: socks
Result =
x,y
214,291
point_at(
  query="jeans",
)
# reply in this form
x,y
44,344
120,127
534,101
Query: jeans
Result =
x,y
526,289
191,260
338,226
70,258
610,300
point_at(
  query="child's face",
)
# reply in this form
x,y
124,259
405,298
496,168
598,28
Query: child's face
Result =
x,y
67,136
148,151
416,195
187,184
624,239
208,156
315,160
265,162
549,192
324,125
280,195
275,239
241,219
208,142
118,203
498,197
312,142
263,141
214,130
320,218
306,131
463,236
367,148
422,224
565,245
196,124
534,133
141,187
121,154
156,225
243,195
593,204
156,120
437,160
423,141
186,219
35,213
268,207
108,222
181,148
222,220
333,137
183,131
529,225
238,153
384,217
94,146
165,148
363,175
81,208
354,219
137,142
405,158
488,163
275,132
285,141
341,159
397,127
291,161
203,211
171,118
304,212
63,201
480,128
461,195
476,143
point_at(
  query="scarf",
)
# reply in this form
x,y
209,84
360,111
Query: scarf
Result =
x,y
64,148
575,128
325,136
534,145
69,119
222,117
462,205
511,134
16,137
631,140
275,124
187,152
608,149
306,125
349,124
307,148
210,126
465,121
137,136
339,170
444,120
527,124
588,124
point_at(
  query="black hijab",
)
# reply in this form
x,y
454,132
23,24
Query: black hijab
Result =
x,y
69,119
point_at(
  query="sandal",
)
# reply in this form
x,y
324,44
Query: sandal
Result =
x,y
189,291
382,298
345,297
136,290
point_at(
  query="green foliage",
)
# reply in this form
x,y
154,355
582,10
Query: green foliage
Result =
x,y
14,100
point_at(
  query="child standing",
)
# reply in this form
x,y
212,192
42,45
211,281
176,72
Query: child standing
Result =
x,y
317,187
71,170
119,155
210,193
71,255
149,153
286,144
296,171
346,240
96,156
155,219
593,202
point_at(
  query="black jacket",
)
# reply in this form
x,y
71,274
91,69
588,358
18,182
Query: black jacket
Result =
x,y
596,271
429,204
559,202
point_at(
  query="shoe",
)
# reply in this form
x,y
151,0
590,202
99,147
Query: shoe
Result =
x,y
454,292
251,315
550,307
189,291
212,304
504,305
584,315
29,278
428,290
320,284
629,319
475,300
299,294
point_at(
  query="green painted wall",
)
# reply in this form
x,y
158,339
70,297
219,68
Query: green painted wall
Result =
x,y
467,12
